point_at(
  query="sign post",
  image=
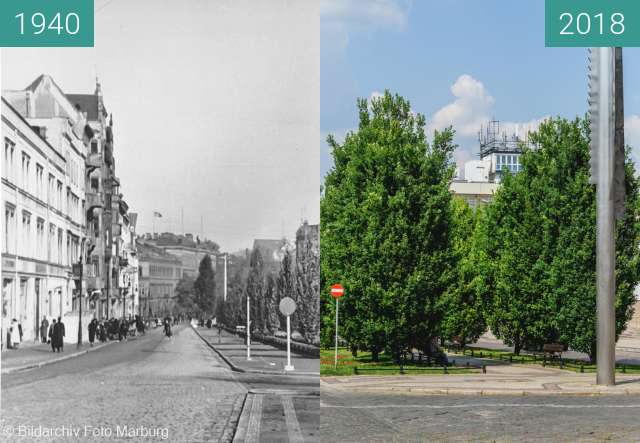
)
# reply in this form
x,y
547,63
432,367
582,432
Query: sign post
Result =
x,y
287,308
337,291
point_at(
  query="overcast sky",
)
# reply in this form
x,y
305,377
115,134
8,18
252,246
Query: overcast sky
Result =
x,y
216,109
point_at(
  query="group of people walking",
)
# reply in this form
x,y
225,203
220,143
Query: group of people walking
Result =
x,y
53,333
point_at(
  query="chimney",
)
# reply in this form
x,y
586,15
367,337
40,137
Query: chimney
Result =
x,y
29,105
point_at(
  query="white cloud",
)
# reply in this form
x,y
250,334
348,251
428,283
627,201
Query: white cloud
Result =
x,y
366,14
473,108
470,109
342,18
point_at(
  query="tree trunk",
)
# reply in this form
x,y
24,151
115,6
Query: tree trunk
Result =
x,y
374,355
516,346
354,351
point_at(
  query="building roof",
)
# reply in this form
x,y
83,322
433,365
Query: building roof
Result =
x,y
88,103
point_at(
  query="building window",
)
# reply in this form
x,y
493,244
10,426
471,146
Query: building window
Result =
x,y
40,251
60,251
26,235
26,162
94,146
9,227
39,181
7,165
52,243
59,195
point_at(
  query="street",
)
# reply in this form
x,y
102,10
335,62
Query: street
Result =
x,y
350,417
153,388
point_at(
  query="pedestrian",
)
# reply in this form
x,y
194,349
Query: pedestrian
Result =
x,y
102,332
15,334
93,326
167,327
58,335
124,327
44,328
51,328
139,324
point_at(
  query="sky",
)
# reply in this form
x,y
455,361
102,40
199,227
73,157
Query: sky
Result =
x,y
215,109
459,62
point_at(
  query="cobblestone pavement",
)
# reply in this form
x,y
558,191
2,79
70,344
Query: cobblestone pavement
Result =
x,y
280,407
348,417
171,388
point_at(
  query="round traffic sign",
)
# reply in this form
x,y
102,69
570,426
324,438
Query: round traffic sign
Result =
x,y
337,290
287,306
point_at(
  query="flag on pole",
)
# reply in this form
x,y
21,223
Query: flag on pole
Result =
x,y
157,214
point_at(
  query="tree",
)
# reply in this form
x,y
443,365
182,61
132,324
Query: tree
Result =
x,y
185,295
386,220
543,229
255,290
285,284
464,300
307,282
205,286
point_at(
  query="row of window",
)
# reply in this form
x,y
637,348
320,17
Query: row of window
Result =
x,y
29,239
53,195
510,162
160,271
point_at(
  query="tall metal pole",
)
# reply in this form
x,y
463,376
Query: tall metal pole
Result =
x,y
248,329
225,277
80,304
336,356
605,247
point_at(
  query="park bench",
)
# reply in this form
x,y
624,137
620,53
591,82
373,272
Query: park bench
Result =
x,y
553,350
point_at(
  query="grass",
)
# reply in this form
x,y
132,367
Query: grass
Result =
x,y
568,364
384,365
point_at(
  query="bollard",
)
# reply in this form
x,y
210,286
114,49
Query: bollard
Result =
x,y
511,359
467,364
480,354
484,369
453,363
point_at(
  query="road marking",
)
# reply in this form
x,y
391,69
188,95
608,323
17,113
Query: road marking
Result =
x,y
253,429
293,427
481,405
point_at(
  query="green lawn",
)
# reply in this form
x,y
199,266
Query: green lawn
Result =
x,y
385,365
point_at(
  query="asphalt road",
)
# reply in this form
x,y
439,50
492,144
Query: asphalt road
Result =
x,y
149,389
399,418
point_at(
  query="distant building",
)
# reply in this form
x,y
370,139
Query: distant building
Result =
x,y
498,153
160,272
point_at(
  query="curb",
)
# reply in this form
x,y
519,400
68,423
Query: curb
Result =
x,y
53,360
242,427
236,368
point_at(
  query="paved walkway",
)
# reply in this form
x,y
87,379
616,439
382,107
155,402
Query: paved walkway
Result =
x,y
627,348
499,380
265,358
37,354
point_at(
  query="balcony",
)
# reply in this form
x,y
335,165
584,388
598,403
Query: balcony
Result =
x,y
93,200
94,283
93,162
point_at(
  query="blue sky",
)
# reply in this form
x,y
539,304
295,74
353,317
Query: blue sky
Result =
x,y
459,62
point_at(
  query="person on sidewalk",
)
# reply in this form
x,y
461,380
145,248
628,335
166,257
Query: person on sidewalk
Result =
x,y
58,335
93,325
124,328
15,334
167,327
51,328
44,328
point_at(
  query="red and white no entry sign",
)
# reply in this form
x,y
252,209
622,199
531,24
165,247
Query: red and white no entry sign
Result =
x,y
337,290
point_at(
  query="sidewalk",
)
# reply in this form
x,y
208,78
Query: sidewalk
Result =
x,y
627,348
35,355
499,380
264,358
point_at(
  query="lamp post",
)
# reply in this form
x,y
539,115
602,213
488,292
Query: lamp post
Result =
x,y
248,328
77,274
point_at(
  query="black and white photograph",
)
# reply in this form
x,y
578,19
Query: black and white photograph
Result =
x,y
160,238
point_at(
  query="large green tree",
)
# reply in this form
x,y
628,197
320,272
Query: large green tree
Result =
x,y
185,295
464,300
542,228
255,289
205,287
386,220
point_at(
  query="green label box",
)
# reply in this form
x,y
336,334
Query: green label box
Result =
x,y
46,23
592,23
